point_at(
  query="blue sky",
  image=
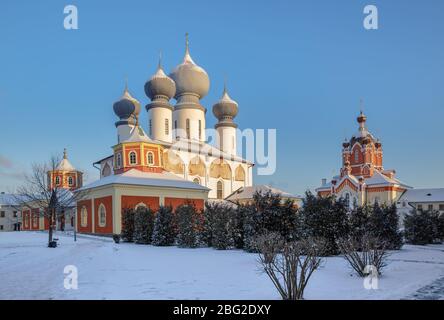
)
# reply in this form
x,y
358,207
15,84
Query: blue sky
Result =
x,y
298,66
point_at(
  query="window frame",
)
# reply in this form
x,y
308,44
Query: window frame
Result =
x,y
119,160
167,126
102,209
84,217
151,163
188,128
135,158
219,182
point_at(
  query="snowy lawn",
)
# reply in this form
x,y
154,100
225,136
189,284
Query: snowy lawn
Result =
x,y
30,270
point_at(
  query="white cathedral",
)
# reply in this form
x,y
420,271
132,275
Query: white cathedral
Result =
x,y
180,129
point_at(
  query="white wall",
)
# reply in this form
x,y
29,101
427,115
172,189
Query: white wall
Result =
x,y
123,132
157,117
227,139
8,220
194,115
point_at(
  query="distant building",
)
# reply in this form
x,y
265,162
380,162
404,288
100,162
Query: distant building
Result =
x,y
363,179
64,178
421,200
10,217
245,195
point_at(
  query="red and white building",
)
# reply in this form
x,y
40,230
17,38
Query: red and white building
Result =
x,y
64,178
363,179
171,165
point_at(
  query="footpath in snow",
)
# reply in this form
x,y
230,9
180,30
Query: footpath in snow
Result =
x,y
30,270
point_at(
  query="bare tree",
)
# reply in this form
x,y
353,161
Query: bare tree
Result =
x,y
289,265
38,194
364,253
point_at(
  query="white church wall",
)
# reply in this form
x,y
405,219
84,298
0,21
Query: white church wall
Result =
x,y
161,119
194,115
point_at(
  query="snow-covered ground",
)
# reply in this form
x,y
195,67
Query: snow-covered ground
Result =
x,y
30,270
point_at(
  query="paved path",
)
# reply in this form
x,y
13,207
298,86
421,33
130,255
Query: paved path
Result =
x,y
433,291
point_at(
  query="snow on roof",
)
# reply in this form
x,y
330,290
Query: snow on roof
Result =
x,y
423,195
380,179
248,192
222,202
138,135
194,147
136,177
377,179
65,165
8,199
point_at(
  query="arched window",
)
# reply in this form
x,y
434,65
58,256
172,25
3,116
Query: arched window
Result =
x,y
132,158
35,220
347,200
70,181
119,160
196,180
356,155
188,128
220,190
377,200
150,157
57,180
84,217
140,205
102,215
26,220
106,170
167,126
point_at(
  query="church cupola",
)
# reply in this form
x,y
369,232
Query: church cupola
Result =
x,y
192,84
138,152
160,89
225,110
64,175
362,128
127,109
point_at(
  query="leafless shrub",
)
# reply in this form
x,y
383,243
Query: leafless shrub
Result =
x,y
39,194
289,265
364,252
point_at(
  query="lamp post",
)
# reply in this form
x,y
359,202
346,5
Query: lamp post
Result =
x,y
75,224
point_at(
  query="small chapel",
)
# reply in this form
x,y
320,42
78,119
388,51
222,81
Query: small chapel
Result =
x,y
363,178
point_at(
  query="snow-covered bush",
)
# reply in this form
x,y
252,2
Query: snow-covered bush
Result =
x,y
165,232
268,213
218,225
238,227
143,225
127,225
359,221
187,226
363,253
289,265
384,225
325,218
423,227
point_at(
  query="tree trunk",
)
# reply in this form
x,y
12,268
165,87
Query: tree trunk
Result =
x,y
50,227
